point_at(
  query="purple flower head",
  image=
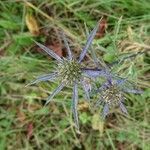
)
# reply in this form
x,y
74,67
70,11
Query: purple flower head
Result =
x,y
68,72
111,95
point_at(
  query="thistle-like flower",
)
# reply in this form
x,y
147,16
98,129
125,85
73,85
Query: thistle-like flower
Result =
x,y
70,72
112,95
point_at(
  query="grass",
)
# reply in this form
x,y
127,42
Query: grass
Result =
x,y
24,122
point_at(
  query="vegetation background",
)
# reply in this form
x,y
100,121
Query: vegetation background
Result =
x,y
24,122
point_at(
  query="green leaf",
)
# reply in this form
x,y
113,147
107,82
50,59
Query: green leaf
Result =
x,y
23,39
109,57
84,118
9,24
43,111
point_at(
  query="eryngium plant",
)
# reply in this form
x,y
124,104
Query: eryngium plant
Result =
x,y
70,71
112,95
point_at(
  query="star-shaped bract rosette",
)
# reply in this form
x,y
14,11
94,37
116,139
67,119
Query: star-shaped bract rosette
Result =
x,y
112,94
69,72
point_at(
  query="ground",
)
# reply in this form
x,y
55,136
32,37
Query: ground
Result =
x,y
25,123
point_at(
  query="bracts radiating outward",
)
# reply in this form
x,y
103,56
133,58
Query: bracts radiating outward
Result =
x,y
70,71
112,94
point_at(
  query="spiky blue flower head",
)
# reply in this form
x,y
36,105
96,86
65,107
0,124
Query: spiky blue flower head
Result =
x,y
112,95
70,71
